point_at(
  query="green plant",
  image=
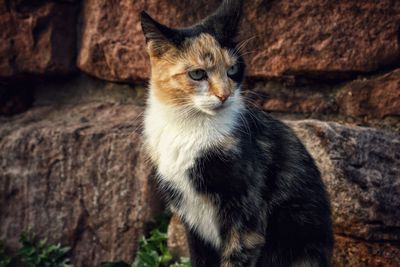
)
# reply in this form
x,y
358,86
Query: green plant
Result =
x,y
153,250
4,258
184,262
41,254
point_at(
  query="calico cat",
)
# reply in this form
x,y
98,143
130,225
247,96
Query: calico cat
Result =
x,y
243,184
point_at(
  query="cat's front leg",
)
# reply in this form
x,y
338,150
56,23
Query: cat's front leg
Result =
x,y
202,254
241,248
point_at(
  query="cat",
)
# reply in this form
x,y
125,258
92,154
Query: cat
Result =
x,y
243,184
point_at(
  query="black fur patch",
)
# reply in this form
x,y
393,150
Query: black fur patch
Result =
x,y
273,165
222,25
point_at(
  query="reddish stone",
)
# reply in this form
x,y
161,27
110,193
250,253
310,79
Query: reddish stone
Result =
x,y
37,38
319,39
76,174
358,253
299,105
376,97
113,46
323,39
177,242
282,97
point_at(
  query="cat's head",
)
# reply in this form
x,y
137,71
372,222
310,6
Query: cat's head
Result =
x,y
197,67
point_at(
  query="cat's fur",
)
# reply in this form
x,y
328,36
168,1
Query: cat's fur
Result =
x,y
242,183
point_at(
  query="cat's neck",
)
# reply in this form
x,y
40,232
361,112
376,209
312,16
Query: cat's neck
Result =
x,y
187,119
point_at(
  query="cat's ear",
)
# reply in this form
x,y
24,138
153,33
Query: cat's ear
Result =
x,y
224,22
159,38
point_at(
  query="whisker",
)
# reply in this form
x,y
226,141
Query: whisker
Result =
x,y
249,52
139,124
245,42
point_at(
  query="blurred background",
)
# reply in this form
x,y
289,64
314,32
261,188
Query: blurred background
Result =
x,y
73,77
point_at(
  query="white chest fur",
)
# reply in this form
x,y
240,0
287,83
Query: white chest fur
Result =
x,y
175,144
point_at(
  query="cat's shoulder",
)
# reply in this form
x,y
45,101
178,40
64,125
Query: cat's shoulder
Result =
x,y
260,122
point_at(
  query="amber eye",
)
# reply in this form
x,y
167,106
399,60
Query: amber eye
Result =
x,y
198,74
233,70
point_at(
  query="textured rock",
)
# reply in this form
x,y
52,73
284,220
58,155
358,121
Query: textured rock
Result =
x,y
81,89
358,253
280,97
298,105
322,39
319,39
361,169
76,174
177,242
376,97
368,101
37,37
112,45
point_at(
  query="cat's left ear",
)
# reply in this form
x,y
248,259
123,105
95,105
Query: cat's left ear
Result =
x,y
224,22
159,38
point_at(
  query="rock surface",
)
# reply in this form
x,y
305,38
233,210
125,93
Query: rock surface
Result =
x,y
177,242
76,174
361,169
319,39
112,45
351,252
372,100
377,97
322,39
37,37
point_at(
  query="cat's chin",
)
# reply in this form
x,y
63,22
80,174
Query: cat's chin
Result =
x,y
208,112
212,111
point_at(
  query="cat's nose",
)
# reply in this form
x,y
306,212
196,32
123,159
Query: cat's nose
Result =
x,y
222,97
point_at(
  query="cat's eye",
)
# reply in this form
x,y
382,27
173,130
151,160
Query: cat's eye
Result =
x,y
233,70
198,74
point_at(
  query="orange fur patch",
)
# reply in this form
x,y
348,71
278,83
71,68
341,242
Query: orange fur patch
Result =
x,y
232,243
169,76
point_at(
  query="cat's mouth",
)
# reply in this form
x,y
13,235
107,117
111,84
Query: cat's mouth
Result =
x,y
211,106
220,107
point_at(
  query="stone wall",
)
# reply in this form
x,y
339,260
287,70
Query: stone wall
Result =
x,y
72,89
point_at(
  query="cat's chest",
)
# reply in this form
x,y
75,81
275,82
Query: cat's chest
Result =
x,y
176,152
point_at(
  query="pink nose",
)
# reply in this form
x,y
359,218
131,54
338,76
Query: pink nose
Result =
x,y
222,97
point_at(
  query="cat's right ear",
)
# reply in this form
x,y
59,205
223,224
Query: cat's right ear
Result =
x,y
224,22
159,38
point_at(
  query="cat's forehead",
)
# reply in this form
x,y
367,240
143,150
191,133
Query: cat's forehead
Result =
x,y
206,50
